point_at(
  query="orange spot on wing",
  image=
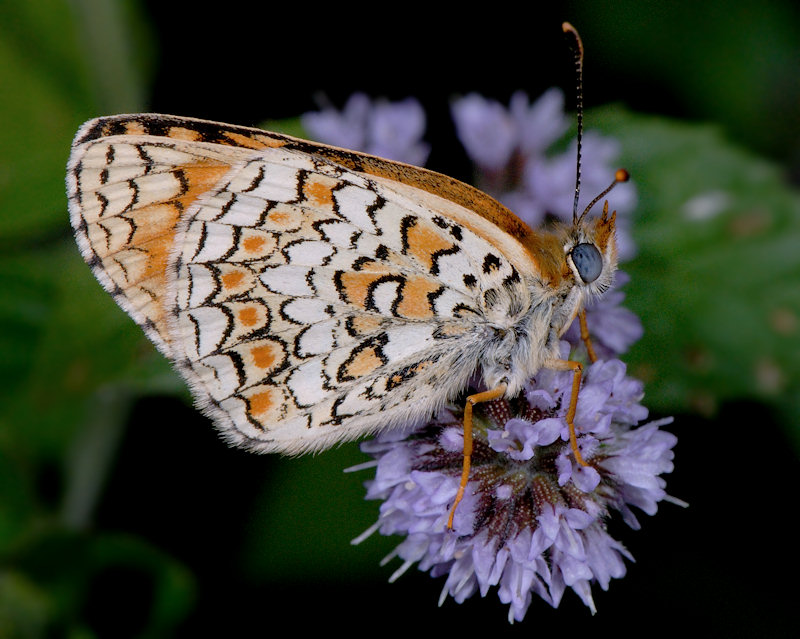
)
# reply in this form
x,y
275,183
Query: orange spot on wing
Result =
x,y
355,284
365,324
261,403
279,217
253,244
414,302
232,279
356,287
182,133
153,221
318,193
424,241
248,316
202,177
283,218
248,141
266,355
131,128
365,362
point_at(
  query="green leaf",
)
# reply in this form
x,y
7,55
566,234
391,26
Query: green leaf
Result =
x,y
715,281
64,339
60,63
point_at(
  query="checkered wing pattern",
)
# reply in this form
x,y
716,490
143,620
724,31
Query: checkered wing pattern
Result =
x,y
305,301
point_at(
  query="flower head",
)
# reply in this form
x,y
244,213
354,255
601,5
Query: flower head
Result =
x,y
391,130
532,521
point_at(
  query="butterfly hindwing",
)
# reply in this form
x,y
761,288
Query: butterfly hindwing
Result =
x,y
305,302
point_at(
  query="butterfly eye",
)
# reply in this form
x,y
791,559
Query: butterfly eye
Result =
x,y
588,261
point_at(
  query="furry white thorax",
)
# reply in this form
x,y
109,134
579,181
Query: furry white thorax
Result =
x,y
517,352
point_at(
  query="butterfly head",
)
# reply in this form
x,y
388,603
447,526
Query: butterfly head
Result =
x,y
590,247
590,253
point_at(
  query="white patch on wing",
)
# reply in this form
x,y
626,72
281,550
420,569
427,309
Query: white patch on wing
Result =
x,y
316,339
387,220
202,284
219,376
306,310
279,182
384,296
156,187
243,211
116,230
445,303
159,155
212,324
309,253
305,383
288,280
110,199
407,339
338,233
453,267
355,402
218,241
352,204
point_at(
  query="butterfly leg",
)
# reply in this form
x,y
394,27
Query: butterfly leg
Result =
x,y
577,373
478,398
585,335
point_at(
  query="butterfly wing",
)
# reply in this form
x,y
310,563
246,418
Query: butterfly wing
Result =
x,y
304,302
127,193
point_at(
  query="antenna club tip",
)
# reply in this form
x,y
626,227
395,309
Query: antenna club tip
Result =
x,y
622,175
577,43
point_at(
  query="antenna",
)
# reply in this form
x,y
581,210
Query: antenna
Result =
x,y
577,51
621,175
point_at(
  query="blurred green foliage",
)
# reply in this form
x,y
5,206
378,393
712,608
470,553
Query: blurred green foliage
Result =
x,y
729,61
715,283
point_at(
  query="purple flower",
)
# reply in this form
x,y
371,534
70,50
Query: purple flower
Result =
x,y
387,129
532,521
511,149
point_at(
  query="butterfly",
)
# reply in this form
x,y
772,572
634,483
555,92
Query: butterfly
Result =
x,y
311,295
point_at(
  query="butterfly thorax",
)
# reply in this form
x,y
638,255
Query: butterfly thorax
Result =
x,y
574,263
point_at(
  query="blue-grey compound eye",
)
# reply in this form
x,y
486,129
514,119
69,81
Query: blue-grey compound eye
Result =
x,y
588,261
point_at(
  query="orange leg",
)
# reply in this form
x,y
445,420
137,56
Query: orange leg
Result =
x,y
577,372
585,335
478,398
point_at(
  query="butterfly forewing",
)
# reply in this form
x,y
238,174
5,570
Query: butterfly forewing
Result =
x,y
127,196
305,302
